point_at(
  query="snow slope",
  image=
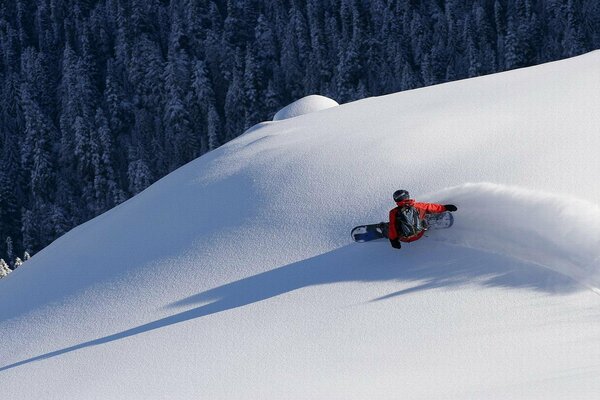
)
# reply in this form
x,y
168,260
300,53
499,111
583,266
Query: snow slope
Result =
x,y
234,277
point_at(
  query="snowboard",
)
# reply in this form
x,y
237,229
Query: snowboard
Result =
x,y
366,233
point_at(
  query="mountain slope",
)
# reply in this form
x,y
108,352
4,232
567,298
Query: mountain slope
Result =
x,y
234,276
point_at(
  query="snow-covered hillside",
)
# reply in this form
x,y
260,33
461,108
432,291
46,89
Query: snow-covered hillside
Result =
x,y
235,278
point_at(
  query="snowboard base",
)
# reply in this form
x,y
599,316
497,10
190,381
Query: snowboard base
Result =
x,y
366,233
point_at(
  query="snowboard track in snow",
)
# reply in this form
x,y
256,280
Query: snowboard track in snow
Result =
x,y
557,232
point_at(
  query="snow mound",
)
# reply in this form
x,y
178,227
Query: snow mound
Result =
x,y
305,105
558,232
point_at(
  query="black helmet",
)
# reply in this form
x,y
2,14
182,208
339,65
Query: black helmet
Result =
x,y
400,195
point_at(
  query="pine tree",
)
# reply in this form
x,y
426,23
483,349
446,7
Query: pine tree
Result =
x,y
272,101
253,107
499,21
11,175
30,231
295,41
427,70
232,23
36,155
4,269
9,215
139,176
349,70
573,40
202,85
9,248
234,102
214,127
409,80
198,100
106,190
450,74
590,11
512,57
484,43
59,221
145,70
114,98
182,145
265,45
74,147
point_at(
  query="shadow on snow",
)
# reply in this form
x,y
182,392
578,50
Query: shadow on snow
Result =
x,y
432,265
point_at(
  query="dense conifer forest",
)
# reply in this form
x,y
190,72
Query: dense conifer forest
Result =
x,y
100,98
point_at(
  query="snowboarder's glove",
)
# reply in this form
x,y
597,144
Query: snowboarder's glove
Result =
x,y
450,207
395,243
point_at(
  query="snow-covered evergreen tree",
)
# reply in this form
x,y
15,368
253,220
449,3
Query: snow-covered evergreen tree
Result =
x,y
4,269
106,191
214,127
253,104
512,56
234,102
9,248
139,176
181,143
9,216
573,40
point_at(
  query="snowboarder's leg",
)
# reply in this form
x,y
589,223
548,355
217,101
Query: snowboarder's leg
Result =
x,y
384,228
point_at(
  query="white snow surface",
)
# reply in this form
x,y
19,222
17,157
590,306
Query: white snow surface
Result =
x,y
305,105
235,277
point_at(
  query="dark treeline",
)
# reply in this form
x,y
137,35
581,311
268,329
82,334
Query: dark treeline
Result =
x,y
100,98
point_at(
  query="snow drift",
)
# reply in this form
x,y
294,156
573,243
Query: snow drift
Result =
x,y
305,105
235,276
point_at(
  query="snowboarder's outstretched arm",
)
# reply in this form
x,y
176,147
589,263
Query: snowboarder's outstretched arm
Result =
x,y
433,208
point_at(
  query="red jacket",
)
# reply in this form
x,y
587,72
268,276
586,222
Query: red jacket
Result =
x,y
423,208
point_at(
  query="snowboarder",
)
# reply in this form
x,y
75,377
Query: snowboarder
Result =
x,y
408,220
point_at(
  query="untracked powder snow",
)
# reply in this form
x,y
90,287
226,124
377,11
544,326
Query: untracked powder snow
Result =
x,y
235,277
